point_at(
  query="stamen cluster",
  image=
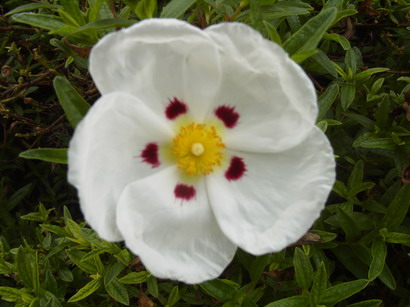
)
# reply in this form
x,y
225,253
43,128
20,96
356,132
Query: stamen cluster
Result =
x,y
198,148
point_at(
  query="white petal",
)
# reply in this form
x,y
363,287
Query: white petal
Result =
x,y
157,60
274,97
175,239
103,156
278,198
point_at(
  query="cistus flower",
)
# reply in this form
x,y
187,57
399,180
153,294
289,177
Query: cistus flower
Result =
x,y
203,141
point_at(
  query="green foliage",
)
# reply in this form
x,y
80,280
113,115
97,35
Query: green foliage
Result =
x,y
357,253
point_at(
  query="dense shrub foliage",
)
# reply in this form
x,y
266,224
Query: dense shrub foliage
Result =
x,y
357,253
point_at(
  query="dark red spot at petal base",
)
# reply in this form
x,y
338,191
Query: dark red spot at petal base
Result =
x,y
227,115
236,169
184,192
150,154
175,108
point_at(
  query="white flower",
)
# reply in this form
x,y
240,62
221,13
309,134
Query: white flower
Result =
x,y
202,141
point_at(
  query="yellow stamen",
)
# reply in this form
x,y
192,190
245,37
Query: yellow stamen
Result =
x,y
198,148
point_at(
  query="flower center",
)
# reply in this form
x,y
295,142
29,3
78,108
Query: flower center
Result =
x,y
198,148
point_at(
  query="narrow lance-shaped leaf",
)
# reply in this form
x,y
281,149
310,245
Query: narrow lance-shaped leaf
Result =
x,y
397,210
48,22
350,60
87,290
348,224
303,269
342,291
379,252
219,289
368,303
326,99
55,155
75,107
118,292
71,7
135,277
294,301
10,294
112,273
174,296
357,174
176,8
319,284
347,94
309,35
32,7
323,60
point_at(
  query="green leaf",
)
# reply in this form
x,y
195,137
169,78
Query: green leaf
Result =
x,y
94,13
103,24
55,155
309,35
369,141
176,8
124,256
347,94
68,19
350,60
10,294
257,267
395,237
48,22
135,277
398,208
65,275
369,303
71,7
369,72
272,33
146,9
344,13
303,269
387,278
117,291
53,302
32,7
75,107
322,125
152,284
319,284
174,297
17,197
323,60
222,290
303,55
360,187
112,273
294,301
89,266
54,229
93,253
348,224
76,231
343,41
87,290
326,99
379,253
342,291
356,175
27,266
340,188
